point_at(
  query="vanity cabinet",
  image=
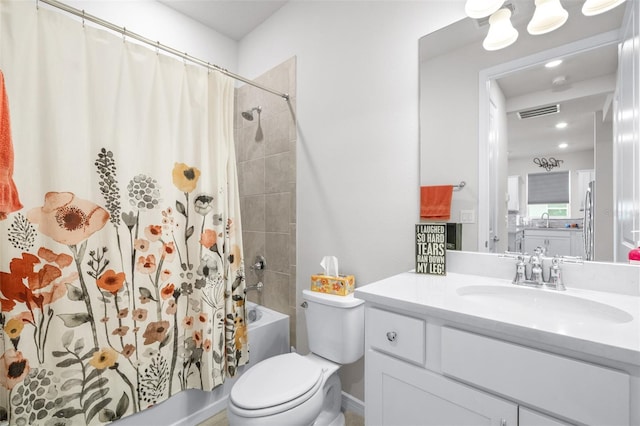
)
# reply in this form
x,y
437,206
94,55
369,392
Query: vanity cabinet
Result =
x,y
513,193
421,370
555,242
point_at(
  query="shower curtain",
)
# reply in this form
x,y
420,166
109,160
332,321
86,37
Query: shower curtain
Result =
x,y
122,277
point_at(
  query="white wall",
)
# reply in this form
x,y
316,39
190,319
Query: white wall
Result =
x,y
449,129
626,146
357,110
156,21
603,226
498,99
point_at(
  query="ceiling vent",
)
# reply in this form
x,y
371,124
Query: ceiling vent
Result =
x,y
484,22
538,112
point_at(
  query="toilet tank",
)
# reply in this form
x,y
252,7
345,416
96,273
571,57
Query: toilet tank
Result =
x,y
335,326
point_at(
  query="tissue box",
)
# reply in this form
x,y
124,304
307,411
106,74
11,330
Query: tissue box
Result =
x,y
340,285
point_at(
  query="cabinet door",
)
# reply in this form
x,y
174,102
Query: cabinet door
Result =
x,y
398,393
533,241
577,244
513,190
558,245
553,242
529,417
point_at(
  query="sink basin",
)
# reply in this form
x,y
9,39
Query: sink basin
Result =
x,y
551,304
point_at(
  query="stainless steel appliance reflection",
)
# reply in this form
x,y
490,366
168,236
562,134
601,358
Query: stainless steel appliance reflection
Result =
x,y
589,212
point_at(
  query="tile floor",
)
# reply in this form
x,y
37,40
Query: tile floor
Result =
x,y
220,419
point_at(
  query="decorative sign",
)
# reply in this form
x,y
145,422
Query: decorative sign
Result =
x,y
431,248
547,164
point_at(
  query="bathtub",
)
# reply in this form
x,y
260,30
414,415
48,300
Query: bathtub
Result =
x,y
268,336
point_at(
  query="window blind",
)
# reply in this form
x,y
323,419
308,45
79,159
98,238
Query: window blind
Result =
x,y
548,188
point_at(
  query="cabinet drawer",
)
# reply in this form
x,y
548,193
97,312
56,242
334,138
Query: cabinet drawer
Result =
x,y
395,334
528,417
573,389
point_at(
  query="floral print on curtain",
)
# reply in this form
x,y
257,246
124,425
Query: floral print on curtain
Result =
x,y
122,277
147,330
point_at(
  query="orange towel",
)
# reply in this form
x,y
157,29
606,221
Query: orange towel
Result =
x,y
9,200
435,202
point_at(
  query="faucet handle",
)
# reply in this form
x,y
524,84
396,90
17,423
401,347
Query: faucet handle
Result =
x,y
571,259
259,264
554,270
511,254
538,252
555,276
520,270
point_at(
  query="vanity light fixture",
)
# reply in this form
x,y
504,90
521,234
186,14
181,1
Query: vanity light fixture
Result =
x,y
596,7
561,125
549,15
501,32
477,9
563,145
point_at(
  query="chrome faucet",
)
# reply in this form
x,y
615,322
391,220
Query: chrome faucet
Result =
x,y
521,271
555,276
255,287
542,217
536,266
529,272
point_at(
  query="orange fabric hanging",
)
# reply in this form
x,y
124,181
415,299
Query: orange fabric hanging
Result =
x,y
435,202
9,200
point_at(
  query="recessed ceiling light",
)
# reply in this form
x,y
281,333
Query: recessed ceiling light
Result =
x,y
563,145
553,64
561,125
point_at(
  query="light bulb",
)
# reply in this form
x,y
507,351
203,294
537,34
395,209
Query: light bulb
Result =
x,y
553,64
596,7
501,33
548,16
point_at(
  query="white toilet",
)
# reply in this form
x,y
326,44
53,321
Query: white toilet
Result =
x,y
293,389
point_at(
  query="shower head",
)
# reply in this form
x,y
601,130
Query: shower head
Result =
x,y
248,115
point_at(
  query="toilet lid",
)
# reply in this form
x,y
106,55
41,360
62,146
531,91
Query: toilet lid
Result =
x,y
275,381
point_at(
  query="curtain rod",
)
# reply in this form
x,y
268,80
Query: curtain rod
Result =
x,y
157,45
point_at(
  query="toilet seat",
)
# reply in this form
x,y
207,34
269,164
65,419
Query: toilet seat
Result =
x,y
275,385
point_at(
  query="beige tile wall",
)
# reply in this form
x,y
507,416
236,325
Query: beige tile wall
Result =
x,y
267,181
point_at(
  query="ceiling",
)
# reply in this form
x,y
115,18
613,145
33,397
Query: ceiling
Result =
x,y
232,18
588,84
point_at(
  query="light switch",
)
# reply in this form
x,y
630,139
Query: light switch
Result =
x,y
467,216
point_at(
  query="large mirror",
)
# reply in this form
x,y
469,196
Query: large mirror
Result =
x,y
489,118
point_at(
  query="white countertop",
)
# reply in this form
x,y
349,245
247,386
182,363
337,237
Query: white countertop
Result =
x,y
437,296
552,229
